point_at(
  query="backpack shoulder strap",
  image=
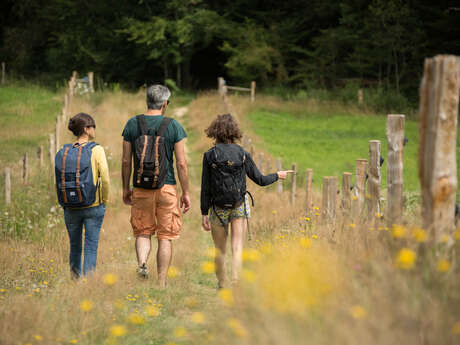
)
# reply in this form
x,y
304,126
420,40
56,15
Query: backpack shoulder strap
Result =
x,y
91,144
142,124
163,126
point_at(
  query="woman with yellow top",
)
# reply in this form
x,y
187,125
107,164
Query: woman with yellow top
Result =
x,y
83,127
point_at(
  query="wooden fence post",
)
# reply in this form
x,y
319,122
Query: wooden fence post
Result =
x,y
52,153
253,91
360,96
308,193
260,163
395,139
220,85
374,179
7,186
3,73
40,156
25,169
91,81
329,199
346,196
359,188
439,98
279,183
58,134
293,185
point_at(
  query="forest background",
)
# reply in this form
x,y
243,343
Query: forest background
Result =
x,y
308,45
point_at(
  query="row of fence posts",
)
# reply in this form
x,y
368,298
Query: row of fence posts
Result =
x,y
439,100
223,88
54,138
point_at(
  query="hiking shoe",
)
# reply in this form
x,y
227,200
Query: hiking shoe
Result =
x,y
142,272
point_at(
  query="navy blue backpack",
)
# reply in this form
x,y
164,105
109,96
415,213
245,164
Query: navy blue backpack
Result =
x,y
74,176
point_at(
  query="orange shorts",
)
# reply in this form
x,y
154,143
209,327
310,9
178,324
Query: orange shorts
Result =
x,y
156,211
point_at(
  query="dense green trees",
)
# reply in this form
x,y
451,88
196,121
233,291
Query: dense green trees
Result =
x,y
323,43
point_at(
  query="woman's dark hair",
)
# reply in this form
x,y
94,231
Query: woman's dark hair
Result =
x,y
79,122
224,129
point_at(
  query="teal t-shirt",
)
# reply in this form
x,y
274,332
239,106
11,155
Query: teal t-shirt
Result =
x,y
174,133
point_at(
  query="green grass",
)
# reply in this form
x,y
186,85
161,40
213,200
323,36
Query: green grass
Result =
x,y
27,116
330,143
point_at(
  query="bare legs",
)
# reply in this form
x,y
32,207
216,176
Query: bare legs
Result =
x,y
164,255
219,236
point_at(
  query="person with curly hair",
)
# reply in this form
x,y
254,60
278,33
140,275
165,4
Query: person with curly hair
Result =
x,y
224,200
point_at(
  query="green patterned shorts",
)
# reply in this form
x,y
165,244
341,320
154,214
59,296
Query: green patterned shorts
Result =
x,y
226,215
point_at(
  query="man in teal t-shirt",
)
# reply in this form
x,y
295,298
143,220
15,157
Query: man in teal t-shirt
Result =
x,y
156,211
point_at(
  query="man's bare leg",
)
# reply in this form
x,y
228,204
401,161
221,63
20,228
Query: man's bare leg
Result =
x,y
142,245
219,236
238,226
164,256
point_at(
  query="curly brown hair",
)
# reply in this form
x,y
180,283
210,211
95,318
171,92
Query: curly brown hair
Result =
x,y
224,129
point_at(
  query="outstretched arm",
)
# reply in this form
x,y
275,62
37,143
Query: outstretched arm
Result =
x,y
126,166
182,172
255,175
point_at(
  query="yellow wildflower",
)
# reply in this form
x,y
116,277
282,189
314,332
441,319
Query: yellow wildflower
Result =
x,y
118,330
307,219
274,212
378,215
398,231
38,337
248,275
406,259
316,208
237,327
208,267
109,279
251,255
152,311
456,328
305,242
180,332
317,214
352,225
198,317
226,296
358,312
173,272
3,290
45,282
74,341
354,197
443,265
135,319
420,235
86,305
444,238
315,237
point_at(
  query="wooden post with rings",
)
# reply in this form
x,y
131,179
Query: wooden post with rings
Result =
x,y
346,195
253,91
374,179
359,189
329,202
438,116
293,185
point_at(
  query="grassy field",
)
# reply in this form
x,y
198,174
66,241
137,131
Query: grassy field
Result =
x,y
302,281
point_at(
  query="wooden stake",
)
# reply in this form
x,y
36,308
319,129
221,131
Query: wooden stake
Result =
x,y
7,186
308,193
395,138
58,134
359,189
91,81
25,169
52,152
360,96
279,183
40,156
346,195
374,179
253,91
293,185
3,73
220,84
438,114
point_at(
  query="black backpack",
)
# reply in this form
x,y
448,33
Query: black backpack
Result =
x,y
150,162
228,176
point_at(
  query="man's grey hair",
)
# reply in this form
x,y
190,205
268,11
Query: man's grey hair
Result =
x,y
156,95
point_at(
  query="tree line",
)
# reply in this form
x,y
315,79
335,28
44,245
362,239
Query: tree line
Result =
x,y
316,43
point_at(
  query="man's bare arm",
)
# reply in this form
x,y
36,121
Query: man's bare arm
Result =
x,y
126,166
182,172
